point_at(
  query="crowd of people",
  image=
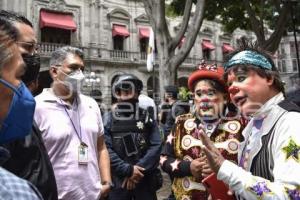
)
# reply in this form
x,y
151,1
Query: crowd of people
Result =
x,y
239,139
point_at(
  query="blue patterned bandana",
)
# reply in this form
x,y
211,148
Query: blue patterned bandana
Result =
x,y
249,57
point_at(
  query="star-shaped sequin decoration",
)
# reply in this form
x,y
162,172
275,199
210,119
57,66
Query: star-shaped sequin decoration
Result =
x,y
294,194
195,151
292,150
140,125
175,164
260,188
170,138
162,160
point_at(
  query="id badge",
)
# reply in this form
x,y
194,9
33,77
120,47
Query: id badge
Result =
x,y
83,154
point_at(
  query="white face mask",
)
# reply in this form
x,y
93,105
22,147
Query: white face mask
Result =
x,y
74,80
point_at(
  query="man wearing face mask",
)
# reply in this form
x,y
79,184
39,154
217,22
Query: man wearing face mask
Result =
x,y
28,156
30,78
133,142
72,130
14,98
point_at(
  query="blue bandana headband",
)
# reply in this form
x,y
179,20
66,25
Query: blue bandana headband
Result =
x,y
249,57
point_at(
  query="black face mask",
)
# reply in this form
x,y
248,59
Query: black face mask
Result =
x,y
32,68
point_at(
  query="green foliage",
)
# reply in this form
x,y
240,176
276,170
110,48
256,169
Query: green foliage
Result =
x,y
184,94
170,12
232,14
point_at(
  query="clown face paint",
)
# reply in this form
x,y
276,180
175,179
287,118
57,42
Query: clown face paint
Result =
x,y
208,101
248,91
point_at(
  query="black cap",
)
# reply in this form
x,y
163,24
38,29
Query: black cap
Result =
x,y
172,89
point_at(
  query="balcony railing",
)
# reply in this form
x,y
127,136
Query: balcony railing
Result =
x,y
113,55
48,48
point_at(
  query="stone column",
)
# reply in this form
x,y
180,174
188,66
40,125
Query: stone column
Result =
x,y
100,24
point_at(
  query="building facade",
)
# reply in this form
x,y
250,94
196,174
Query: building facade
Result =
x,y
286,61
114,35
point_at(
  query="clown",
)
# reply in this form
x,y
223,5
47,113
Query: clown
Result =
x,y
269,157
182,157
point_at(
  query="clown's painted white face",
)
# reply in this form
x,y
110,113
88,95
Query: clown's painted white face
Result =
x,y
208,101
248,91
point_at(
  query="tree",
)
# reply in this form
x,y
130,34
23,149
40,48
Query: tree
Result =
x,y
166,44
254,15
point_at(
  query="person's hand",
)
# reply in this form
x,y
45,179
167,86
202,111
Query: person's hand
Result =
x,y
196,168
128,184
206,170
213,155
230,192
104,191
124,184
137,174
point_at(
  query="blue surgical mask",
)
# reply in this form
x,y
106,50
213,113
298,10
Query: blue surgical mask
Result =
x,y
17,124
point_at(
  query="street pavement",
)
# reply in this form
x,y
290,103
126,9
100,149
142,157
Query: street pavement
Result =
x,y
165,191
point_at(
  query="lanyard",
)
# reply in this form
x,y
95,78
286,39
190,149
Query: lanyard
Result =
x,y
79,135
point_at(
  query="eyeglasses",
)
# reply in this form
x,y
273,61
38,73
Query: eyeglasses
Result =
x,y
31,47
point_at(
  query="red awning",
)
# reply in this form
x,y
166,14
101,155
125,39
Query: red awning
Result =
x,y
57,20
120,30
144,33
227,48
206,44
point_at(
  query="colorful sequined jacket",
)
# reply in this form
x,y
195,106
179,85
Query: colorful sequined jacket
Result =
x,y
269,157
181,148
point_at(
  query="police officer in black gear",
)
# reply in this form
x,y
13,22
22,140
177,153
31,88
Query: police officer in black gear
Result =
x,y
133,141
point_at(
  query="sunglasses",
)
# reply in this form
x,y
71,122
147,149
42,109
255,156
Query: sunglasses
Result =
x,y
31,47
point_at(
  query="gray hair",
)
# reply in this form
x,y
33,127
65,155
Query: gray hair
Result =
x,y
59,55
8,36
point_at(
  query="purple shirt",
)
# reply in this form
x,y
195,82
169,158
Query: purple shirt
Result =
x,y
74,181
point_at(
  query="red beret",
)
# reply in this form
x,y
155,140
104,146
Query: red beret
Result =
x,y
206,71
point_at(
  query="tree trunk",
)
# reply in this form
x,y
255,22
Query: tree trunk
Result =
x,y
169,62
271,44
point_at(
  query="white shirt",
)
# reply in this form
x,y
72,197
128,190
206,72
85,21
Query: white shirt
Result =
x,y
286,170
145,102
74,181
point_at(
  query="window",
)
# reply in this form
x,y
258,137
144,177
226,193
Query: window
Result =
x,y
118,42
206,54
282,51
283,65
292,47
295,65
56,27
279,66
119,33
144,47
55,35
207,47
144,44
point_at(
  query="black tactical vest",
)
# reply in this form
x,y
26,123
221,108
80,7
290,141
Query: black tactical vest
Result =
x,y
130,137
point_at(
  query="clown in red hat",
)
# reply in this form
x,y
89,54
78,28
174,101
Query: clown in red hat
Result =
x,y
182,156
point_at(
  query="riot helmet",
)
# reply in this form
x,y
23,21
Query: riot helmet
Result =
x,y
127,82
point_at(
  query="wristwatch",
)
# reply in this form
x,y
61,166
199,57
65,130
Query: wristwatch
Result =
x,y
110,184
